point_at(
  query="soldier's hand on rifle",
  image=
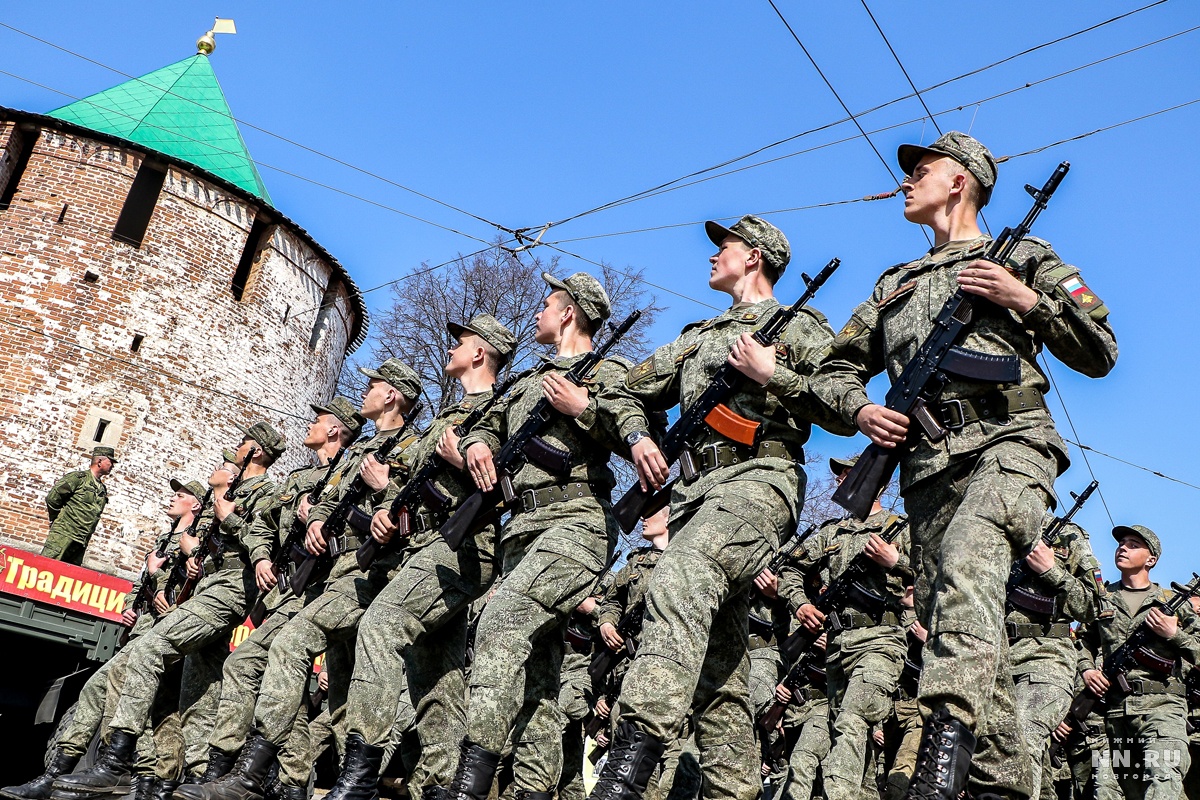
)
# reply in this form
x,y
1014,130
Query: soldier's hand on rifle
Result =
x,y
651,466
447,448
1040,559
783,694
822,641
160,603
1165,625
881,425
918,630
608,632
995,283
222,507
382,526
305,507
481,467
374,474
1062,732
1094,679
755,361
323,679
877,736
128,617
264,575
882,553
566,396
602,739
602,710
767,583
810,617
314,538
154,562
194,569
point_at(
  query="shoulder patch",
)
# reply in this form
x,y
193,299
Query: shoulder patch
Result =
x,y
640,371
853,328
1078,292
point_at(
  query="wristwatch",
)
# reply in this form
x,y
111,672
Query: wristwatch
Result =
x,y
635,437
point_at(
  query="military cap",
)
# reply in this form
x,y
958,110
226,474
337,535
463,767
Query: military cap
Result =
x,y
345,412
836,465
268,438
106,452
229,455
398,375
1142,532
587,293
191,487
756,232
964,149
490,330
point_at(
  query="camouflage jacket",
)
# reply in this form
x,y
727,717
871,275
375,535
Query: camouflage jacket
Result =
x,y
75,503
252,493
275,516
828,553
629,586
885,332
677,373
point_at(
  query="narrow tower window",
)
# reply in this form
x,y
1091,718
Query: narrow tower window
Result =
x,y
21,154
139,205
247,268
323,313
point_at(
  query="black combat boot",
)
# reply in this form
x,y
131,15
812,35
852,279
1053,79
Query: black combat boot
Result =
x,y
433,793
40,787
943,759
360,772
165,789
291,792
476,771
219,765
109,775
144,788
250,774
631,763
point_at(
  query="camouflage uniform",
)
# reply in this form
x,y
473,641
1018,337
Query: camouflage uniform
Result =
x,y
1042,652
807,722
1191,779
418,614
74,504
866,643
976,498
551,556
1147,727
725,524
573,708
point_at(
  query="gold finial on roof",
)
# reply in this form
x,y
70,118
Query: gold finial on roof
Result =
x,y
207,43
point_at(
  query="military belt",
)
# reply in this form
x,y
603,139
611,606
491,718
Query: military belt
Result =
x,y
724,454
1025,630
998,405
849,619
1147,686
531,499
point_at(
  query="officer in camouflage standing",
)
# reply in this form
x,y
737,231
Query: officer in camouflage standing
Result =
x,y
866,643
1062,585
336,425
975,498
328,623
75,504
726,521
1146,727
554,545
420,618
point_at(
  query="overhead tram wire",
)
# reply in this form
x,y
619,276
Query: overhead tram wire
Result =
x,y
656,189
1063,402
262,130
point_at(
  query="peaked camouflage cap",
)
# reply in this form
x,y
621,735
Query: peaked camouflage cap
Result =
x,y
1142,532
345,412
106,452
586,291
836,465
964,149
490,330
229,455
269,439
756,232
191,487
398,375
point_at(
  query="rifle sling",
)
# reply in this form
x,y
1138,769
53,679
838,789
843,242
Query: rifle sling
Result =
x,y
724,454
997,405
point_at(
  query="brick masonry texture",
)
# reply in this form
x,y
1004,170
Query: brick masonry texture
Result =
x,y
175,291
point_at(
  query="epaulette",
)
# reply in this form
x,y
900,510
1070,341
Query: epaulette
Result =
x,y
700,323
624,362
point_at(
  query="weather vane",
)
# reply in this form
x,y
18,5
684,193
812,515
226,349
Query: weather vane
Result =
x,y
206,43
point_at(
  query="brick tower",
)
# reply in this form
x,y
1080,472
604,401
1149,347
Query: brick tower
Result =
x,y
150,296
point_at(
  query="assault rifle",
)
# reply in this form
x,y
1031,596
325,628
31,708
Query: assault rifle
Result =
x,y
179,571
420,487
629,627
212,540
141,601
1133,652
346,512
295,539
938,360
1028,599
841,591
789,549
807,671
525,444
710,409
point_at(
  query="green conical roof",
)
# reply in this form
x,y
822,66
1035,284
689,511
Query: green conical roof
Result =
x,y
179,111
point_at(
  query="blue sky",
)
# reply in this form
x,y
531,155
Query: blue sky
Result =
x,y
525,113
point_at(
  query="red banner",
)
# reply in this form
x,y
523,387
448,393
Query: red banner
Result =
x,y
45,580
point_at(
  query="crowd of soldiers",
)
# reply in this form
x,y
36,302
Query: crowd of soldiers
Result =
x,y
933,654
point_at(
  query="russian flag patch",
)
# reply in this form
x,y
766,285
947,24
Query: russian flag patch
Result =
x,y
1078,291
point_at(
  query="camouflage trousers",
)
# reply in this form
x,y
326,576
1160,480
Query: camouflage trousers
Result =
x,y
969,523
1148,747
519,645
160,747
694,650
1043,701
575,685
418,625
1090,765
89,711
902,739
1191,780
766,671
809,725
863,668
62,547
679,778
